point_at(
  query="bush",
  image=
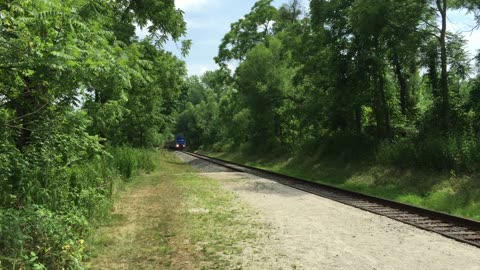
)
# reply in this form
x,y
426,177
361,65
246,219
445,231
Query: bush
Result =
x,y
460,153
92,188
37,238
49,204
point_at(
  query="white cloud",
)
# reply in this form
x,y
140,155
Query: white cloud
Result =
x,y
199,23
191,5
232,66
140,32
459,21
473,42
199,69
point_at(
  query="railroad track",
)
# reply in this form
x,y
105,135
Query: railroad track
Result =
x,y
457,228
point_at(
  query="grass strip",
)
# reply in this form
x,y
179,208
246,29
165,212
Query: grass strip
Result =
x,y
173,218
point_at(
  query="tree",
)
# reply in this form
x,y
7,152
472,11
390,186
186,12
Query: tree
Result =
x,y
444,107
348,73
162,19
136,111
264,81
70,76
247,32
338,81
47,53
200,119
152,99
289,13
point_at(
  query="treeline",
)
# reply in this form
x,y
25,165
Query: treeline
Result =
x,y
77,90
351,80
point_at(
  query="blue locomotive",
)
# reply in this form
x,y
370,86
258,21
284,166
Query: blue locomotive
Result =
x,y
180,142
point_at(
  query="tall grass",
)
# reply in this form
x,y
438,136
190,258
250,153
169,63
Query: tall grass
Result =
x,y
129,161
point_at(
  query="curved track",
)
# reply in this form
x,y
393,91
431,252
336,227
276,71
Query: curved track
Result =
x,y
460,229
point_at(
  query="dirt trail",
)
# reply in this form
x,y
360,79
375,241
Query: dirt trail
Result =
x,y
137,238
177,219
310,232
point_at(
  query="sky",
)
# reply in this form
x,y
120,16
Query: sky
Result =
x,y
209,20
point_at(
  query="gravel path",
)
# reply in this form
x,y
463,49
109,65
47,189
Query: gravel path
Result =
x,y
310,232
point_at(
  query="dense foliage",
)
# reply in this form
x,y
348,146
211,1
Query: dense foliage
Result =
x,y
353,79
76,88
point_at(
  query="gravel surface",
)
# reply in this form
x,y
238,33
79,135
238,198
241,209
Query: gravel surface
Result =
x,y
200,164
310,232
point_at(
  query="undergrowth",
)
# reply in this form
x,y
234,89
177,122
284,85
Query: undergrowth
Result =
x,y
44,221
460,152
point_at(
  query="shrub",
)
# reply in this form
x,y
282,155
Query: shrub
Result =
x,y
441,153
92,187
37,238
50,202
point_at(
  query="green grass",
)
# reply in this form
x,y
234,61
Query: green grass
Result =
x,y
446,192
189,222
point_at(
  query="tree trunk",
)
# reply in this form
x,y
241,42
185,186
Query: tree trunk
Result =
x,y
382,116
24,134
433,73
403,84
444,92
358,119
23,107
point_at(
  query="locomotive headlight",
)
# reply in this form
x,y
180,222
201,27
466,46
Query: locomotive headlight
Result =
x,y
177,145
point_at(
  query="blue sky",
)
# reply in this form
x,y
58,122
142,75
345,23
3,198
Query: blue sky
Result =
x,y
209,20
